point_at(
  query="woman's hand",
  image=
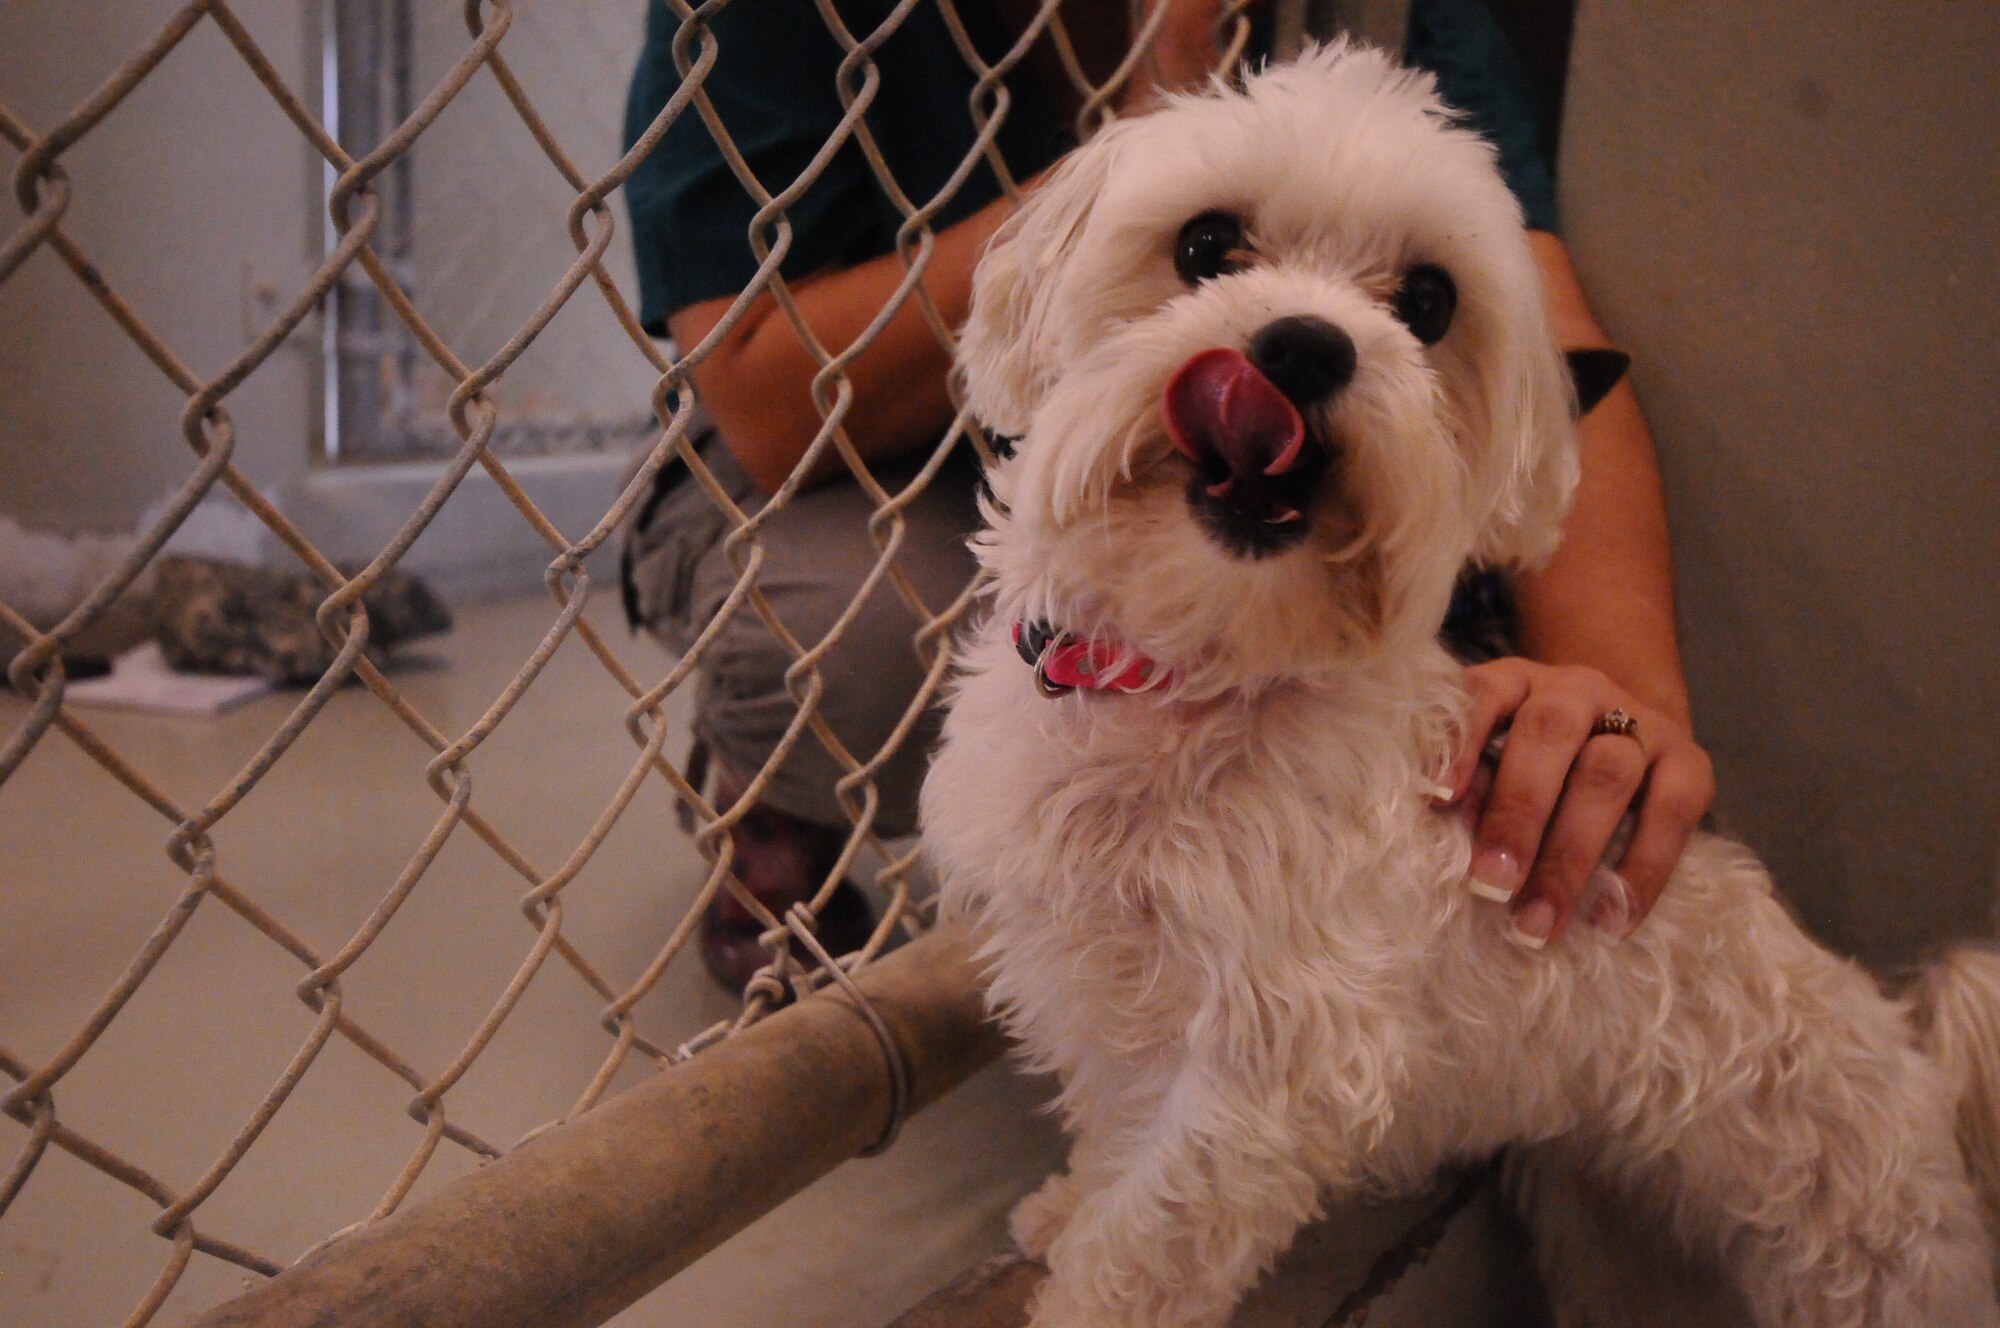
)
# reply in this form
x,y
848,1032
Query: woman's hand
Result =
x,y
1560,792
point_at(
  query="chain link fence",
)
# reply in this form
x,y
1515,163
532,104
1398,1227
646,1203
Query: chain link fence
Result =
x,y
471,351
475,234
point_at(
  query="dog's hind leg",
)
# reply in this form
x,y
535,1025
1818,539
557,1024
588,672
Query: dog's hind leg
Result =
x,y
1771,1104
1833,1205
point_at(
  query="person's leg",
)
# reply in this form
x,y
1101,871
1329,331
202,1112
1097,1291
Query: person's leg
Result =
x,y
780,859
817,552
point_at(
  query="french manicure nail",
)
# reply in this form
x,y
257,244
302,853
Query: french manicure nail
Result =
x,y
1608,904
1495,875
1442,793
1530,927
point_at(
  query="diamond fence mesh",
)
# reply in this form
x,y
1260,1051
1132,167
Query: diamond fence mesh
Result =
x,y
366,259
474,239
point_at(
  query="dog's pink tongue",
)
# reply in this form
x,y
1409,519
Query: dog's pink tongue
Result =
x,y
1218,404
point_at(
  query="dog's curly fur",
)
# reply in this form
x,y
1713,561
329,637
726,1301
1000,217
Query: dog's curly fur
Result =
x,y
1226,912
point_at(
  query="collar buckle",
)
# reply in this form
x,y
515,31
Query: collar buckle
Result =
x,y
1063,664
1036,643
1052,690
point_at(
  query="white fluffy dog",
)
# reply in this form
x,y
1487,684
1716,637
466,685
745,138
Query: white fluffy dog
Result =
x,y
1279,367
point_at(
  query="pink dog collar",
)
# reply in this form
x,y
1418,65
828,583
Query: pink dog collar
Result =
x,y
1064,664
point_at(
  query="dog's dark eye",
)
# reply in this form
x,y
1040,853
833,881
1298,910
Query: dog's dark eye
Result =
x,y
1209,246
1426,301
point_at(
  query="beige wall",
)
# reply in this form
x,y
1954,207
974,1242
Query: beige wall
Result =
x,y
190,194
1788,213
203,206
491,216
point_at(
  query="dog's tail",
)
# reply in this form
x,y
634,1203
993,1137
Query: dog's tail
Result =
x,y
1956,1005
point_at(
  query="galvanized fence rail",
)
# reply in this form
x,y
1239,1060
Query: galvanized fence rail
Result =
x,y
199,842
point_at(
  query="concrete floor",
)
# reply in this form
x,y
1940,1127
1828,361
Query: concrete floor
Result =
x,y
317,844
207,1034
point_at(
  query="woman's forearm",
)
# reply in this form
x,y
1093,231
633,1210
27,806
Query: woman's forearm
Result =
x,y
757,383
1606,599
1597,633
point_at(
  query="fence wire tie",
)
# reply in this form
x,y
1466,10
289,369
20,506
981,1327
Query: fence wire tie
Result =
x,y
799,919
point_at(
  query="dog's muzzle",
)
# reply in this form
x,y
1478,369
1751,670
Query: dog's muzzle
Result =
x,y
1238,418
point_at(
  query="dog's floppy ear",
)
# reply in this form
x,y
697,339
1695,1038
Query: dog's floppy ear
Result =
x,y
1003,353
1525,408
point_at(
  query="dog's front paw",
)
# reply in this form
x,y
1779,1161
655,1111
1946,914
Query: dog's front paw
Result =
x,y
1038,1219
1122,1302
1051,1309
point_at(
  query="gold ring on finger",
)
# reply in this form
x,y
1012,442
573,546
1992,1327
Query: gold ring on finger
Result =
x,y
1618,721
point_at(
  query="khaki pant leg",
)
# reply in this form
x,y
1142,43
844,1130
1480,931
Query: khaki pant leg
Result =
x,y
817,552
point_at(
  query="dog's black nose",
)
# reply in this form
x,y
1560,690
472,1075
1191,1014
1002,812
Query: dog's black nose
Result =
x,y
1308,359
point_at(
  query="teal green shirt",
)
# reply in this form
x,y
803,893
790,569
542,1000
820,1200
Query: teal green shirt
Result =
x,y
774,85
1478,74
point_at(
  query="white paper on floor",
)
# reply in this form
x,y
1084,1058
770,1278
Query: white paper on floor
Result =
x,y
141,679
